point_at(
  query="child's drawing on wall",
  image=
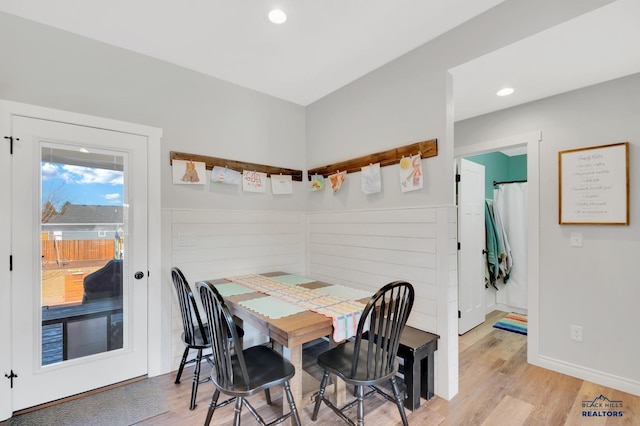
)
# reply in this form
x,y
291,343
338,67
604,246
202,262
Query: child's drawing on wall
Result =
x,y
411,173
188,172
337,179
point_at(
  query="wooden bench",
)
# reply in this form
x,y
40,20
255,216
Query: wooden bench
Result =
x,y
416,349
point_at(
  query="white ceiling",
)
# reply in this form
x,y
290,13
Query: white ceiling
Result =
x,y
327,44
598,46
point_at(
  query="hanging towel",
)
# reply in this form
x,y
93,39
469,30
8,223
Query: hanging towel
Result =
x,y
493,245
505,260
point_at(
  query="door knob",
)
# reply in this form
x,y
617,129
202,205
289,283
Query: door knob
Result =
x,y
138,275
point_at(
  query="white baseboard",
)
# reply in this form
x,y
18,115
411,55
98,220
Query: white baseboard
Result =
x,y
509,308
615,382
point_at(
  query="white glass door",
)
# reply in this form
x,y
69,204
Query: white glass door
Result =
x,y
79,244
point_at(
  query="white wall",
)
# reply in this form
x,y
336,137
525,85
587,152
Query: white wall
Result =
x,y
410,99
595,286
198,114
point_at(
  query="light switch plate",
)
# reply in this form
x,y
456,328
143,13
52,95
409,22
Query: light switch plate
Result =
x,y
576,239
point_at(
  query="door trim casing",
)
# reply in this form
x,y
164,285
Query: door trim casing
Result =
x,y
154,315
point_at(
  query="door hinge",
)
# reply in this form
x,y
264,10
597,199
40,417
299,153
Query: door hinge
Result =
x,y
459,314
11,377
458,245
457,178
10,262
11,139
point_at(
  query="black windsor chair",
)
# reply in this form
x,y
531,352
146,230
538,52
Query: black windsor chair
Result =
x,y
242,373
195,336
370,358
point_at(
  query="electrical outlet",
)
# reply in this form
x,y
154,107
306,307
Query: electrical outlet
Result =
x,y
576,333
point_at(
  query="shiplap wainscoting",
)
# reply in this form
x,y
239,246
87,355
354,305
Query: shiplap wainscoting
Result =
x,y
370,248
208,244
364,249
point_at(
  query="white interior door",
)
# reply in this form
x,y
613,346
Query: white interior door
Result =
x,y
471,235
103,330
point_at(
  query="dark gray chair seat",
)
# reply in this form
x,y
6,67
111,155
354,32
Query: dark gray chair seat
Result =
x,y
370,362
241,373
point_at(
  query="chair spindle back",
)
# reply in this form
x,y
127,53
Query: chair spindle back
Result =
x,y
188,307
222,327
383,320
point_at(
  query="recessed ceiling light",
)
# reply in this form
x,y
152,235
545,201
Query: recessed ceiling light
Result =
x,y
277,16
84,150
505,92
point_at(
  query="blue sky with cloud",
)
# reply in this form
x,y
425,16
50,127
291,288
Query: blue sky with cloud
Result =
x,y
81,185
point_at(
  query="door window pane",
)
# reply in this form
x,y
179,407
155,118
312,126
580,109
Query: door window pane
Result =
x,y
83,228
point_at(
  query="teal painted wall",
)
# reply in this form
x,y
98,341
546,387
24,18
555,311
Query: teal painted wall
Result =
x,y
500,167
518,167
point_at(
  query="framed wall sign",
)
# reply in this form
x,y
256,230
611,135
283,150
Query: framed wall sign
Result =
x,y
594,185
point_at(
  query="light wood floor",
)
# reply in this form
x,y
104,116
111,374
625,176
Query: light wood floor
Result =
x,y
497,387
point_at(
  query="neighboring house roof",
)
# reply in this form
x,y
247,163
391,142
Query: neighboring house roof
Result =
x,y
89,214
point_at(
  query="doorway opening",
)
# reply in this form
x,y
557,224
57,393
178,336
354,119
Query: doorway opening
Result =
x,y
530,141
505,227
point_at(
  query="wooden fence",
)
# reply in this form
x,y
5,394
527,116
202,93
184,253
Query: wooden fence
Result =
x,y
70,250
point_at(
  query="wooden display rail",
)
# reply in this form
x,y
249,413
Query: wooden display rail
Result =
x,y
236,165
386,158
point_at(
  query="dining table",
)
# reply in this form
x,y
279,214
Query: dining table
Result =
x,y
291,310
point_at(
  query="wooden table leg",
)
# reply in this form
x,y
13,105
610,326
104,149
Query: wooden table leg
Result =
x,y
294,355
339,387
340,390
240,323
